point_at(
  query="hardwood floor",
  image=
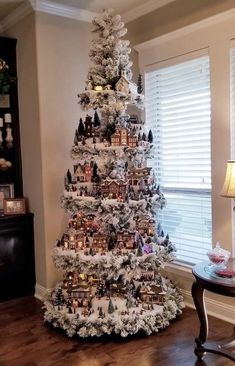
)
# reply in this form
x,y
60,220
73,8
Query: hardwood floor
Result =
x,y
26,341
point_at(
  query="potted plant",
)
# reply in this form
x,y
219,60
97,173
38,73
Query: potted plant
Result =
x,y
6,79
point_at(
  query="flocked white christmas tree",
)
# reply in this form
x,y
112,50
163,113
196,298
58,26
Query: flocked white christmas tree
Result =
x,y
113,250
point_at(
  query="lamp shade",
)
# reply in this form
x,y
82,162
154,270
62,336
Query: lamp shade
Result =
x,y
228,189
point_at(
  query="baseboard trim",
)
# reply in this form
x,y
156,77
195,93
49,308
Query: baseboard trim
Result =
x,y
41,292
214,308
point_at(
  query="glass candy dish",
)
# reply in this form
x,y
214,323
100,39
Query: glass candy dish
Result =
x,y
218,258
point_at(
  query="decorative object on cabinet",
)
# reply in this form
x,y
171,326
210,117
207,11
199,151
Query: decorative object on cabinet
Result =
x,y
5,164
6,191
6,79
4,101
1,127
14,206
9,137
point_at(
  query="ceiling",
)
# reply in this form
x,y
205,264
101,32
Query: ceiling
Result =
x,y
95,6
120,6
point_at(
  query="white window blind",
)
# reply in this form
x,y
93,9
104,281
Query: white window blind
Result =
x,y
178,113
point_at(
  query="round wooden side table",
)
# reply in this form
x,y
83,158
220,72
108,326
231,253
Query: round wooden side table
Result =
x,y
204,280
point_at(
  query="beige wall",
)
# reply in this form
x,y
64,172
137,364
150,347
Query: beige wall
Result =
x,y
173,16
52,59
62,58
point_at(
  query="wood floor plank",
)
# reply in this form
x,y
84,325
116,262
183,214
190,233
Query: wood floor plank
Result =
x,y
26,341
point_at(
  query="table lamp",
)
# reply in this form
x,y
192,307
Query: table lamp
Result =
x,y
228,189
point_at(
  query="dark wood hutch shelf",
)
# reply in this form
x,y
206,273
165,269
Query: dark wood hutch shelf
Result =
x,y
14,174
17,271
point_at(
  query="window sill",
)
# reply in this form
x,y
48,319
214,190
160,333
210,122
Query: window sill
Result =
x,y
179,269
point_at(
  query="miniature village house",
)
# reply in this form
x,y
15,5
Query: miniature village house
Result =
x,y
136,174
100,243
70,281
79,219
117,289
80,239
83,172
147,275
73,223
125,86
82,222
88,221
146,226
70,239
152,294
126,240
82,295
78,289
132,140
113,189
122,137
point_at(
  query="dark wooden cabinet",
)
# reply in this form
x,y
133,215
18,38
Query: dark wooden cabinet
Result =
x,y
17,270
17,273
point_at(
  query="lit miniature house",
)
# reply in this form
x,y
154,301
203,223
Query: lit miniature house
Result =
x,y
125,86
135,174
100,243
87,172
73,223
113,189
84,222
70,281
82,294
126,240
122,137
80,219
152,294
132,140
122,85
117,289
79,173
147,275
80,239
88,221
146,225
83,173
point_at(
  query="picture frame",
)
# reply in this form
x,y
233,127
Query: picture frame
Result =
x,y
6,191
14,206
4,101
